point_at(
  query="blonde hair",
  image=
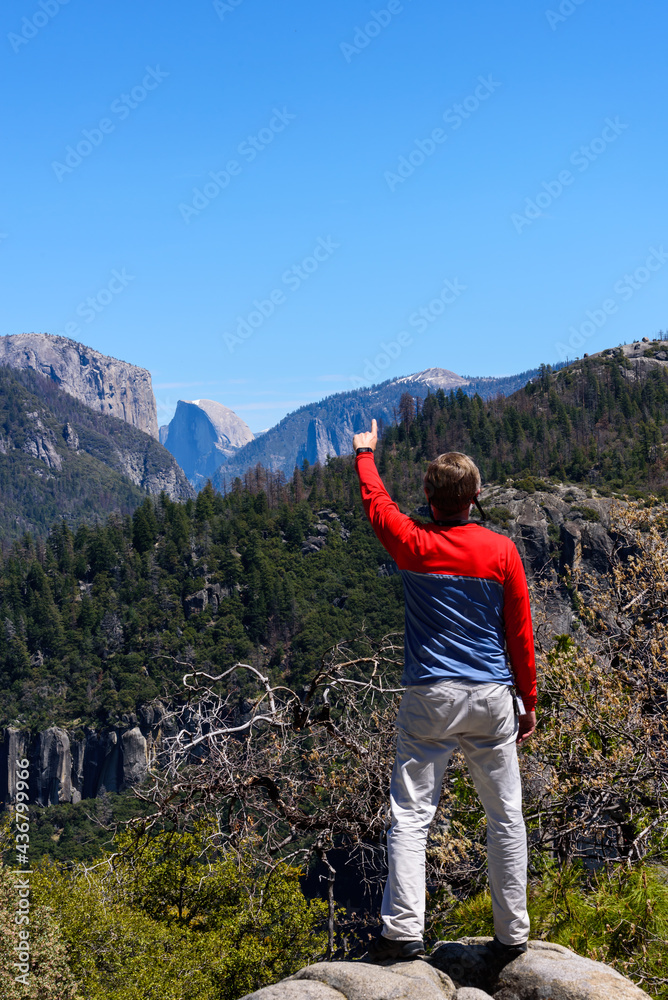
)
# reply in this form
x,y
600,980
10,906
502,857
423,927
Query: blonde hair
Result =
x,y
452,481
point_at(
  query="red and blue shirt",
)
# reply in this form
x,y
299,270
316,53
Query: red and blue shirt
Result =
x,y
468,615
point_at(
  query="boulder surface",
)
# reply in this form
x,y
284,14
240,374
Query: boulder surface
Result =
x,y
460,970
551,971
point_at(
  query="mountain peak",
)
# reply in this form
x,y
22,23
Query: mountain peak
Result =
x,y
435,378
233,432
202,435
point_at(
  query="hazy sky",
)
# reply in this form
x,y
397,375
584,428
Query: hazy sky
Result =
x,y
264,203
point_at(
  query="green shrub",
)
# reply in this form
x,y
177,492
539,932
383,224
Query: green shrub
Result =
x,y
499,515
527,484
174,920
50,976
588,513
619,917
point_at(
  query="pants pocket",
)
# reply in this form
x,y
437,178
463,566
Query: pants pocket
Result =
x,y
500,711
427,714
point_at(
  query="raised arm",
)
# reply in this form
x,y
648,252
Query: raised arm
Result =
x,y
392,528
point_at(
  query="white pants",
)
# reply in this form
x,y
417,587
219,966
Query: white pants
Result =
x,y
433,719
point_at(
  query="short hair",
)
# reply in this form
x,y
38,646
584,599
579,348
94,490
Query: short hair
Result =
x,y
452,481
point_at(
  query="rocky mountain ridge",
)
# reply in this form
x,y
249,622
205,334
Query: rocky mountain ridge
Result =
x,y
326,428
106,385
202,435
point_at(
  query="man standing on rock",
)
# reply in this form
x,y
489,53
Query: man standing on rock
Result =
x,y
468,640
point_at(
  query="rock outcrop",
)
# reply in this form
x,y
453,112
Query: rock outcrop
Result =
x,y
65,767
211,595
54,767
202,435
40,442
556,528
104,384
320,443
362,981
327,521
460,970
549,970
142,469
61,458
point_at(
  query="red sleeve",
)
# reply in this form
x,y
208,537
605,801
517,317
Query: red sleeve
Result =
x,y
519,630
393,529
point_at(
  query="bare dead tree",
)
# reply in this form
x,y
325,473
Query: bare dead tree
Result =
x,y
288,774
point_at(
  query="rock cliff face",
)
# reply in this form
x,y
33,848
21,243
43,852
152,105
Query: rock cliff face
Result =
x,y
154,478
60,458
460,970
202,435
319,443
104,384
565,526
68,768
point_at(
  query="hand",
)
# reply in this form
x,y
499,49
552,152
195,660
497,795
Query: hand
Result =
x,y
367,439
527,726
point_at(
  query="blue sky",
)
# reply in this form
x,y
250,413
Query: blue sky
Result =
x,y
366,160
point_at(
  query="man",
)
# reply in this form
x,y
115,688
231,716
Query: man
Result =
x,y
468,640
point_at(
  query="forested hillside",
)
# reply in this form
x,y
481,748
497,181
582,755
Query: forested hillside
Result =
x,y
602,420
98,621
101,620
58,458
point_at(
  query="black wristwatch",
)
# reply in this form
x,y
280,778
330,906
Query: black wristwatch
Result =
x,y
358,451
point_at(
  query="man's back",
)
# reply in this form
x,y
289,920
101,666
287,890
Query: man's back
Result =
x,y
466,596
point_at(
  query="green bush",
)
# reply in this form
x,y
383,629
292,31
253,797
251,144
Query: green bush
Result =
x,y
619,917
172,919
588,513
50,976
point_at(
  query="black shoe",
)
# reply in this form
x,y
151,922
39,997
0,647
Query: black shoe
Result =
x,y
506,953
383,948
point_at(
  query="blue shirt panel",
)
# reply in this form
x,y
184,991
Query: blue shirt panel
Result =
x,y
454,629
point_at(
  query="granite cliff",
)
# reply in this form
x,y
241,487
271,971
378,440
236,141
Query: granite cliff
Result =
x,y
68,767
106,385
202,435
